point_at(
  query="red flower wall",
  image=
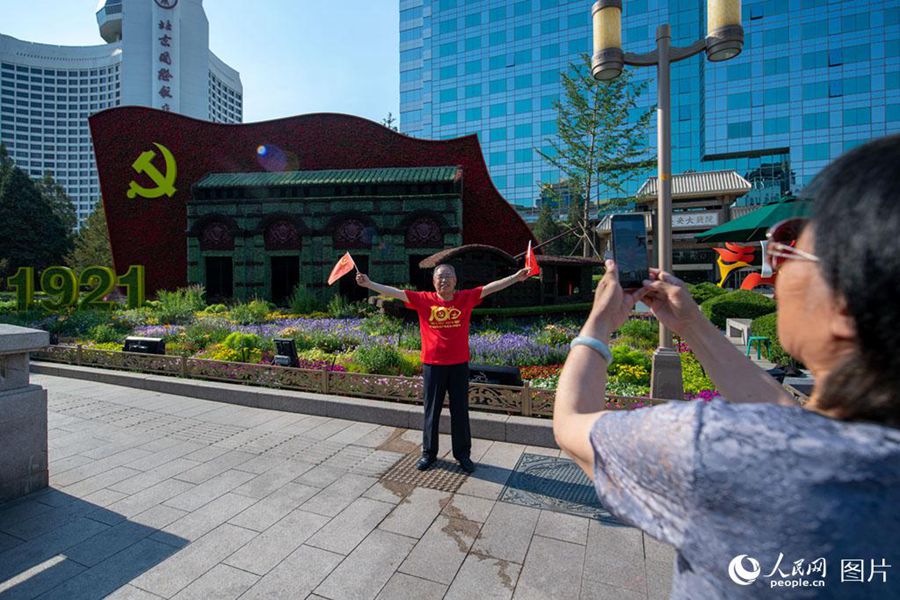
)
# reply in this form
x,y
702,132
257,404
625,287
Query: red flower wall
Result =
x,y
152,232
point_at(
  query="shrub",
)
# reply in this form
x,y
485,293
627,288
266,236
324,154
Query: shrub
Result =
x,y
693,376
617,388
555,335
633,374
381,324
340,308
626,355
247,347
379,360
77,323
106,333
203,333
767,325
741,304
701,292
642,334
254,312
534,311
178,307
302,301
216,309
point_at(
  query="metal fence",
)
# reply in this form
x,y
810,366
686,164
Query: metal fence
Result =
x,y
517,400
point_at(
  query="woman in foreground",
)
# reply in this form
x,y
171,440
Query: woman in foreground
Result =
x,y
747,487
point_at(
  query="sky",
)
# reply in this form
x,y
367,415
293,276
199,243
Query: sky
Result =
x,y
294,56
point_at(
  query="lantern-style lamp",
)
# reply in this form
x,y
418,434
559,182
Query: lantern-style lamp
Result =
x,y
724,33
608,59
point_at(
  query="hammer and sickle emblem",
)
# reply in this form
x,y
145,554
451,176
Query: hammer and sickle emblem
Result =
x,y
165,184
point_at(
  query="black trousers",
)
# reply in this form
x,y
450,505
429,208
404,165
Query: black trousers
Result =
x,y
439,380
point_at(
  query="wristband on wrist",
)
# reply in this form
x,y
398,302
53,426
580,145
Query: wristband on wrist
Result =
x,y
595,345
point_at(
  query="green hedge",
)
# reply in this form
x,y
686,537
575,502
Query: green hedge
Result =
x,y
533,311
701,292
741,304
767,326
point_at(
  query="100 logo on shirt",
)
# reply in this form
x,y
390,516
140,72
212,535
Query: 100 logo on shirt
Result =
x,y
440,314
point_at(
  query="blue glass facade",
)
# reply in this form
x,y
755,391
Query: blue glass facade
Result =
x,y
816,78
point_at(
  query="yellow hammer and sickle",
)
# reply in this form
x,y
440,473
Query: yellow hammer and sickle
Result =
x,y
165,184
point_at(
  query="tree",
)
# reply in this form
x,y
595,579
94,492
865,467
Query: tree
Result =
x,y
92,244
597,143
32,234
546,228
390,122
59,201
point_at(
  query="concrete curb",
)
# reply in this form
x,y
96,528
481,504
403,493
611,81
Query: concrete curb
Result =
x,y
491,426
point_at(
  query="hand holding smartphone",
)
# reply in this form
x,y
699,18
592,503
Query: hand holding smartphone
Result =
x,y
629,249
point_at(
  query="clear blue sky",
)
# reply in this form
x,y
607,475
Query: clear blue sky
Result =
x,y
294,56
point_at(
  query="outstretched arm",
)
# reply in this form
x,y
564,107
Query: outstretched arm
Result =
x,y
735,375
501,284
385,290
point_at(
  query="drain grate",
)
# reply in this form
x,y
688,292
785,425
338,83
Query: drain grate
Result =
x,y
443,475
556,484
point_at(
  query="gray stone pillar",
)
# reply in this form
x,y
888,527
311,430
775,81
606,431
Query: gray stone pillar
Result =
x,y
23,415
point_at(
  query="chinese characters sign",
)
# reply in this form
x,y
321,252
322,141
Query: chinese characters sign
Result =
x,y
695,220
166,56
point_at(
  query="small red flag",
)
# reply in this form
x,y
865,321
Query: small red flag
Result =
x,y
343,266
531,262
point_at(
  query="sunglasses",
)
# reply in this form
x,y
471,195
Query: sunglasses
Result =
x,y
782,238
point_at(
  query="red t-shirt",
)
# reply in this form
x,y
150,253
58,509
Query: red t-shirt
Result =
x,y
444,324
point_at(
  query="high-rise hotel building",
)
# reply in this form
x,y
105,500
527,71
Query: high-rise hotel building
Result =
x,y
156,54
816,77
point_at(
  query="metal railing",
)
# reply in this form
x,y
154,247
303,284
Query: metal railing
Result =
x,y
516,400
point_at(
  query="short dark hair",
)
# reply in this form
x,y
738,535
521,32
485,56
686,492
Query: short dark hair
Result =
x,y
856,220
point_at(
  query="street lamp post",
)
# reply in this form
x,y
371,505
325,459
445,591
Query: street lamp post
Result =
x,y
724,40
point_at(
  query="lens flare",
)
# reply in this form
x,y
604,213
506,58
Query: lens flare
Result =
x,y
271,157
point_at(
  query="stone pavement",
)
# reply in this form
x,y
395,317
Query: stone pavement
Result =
x,y
161,496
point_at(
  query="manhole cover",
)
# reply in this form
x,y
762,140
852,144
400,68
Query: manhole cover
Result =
x,y
556,484
443,475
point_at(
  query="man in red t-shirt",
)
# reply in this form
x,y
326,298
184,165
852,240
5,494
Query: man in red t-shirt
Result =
x,y
444,317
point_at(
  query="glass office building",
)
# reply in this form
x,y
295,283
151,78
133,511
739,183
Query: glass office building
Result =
x,y
816,78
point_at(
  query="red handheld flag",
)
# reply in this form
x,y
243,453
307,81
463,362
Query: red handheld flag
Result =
x,y
343,266
531,262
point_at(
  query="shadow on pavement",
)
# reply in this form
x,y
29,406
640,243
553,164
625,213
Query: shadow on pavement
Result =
x,y
61,546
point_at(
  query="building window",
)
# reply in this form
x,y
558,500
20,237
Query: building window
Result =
x,y
740,130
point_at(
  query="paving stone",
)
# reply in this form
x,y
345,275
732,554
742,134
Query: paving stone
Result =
x,y
659,579
594,590
115,539
469,508
296,576
507,532
365,571
658,551
352,433
97,467
176,573
441,551
484,578
48,522
34,580
129,592
274,479
100,481
33,552
104,497
221,582
196,524
387,490
414,515
270,547
274,507
158,516
338,496
327,429
376,437
216,466
209,490
320,476
150,497
8,541
560,526
552,569
615,556
111,574
345,531
406,587
263,464
149,478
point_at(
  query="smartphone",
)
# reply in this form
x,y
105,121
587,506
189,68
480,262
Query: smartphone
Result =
x,y
629,249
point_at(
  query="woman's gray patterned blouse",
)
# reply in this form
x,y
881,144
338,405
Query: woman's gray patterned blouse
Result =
x,y
733,487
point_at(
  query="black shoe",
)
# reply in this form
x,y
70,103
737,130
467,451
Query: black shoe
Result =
x,y
424,463
466,464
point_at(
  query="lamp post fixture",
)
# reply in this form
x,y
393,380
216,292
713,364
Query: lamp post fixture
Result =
x,y
724,40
